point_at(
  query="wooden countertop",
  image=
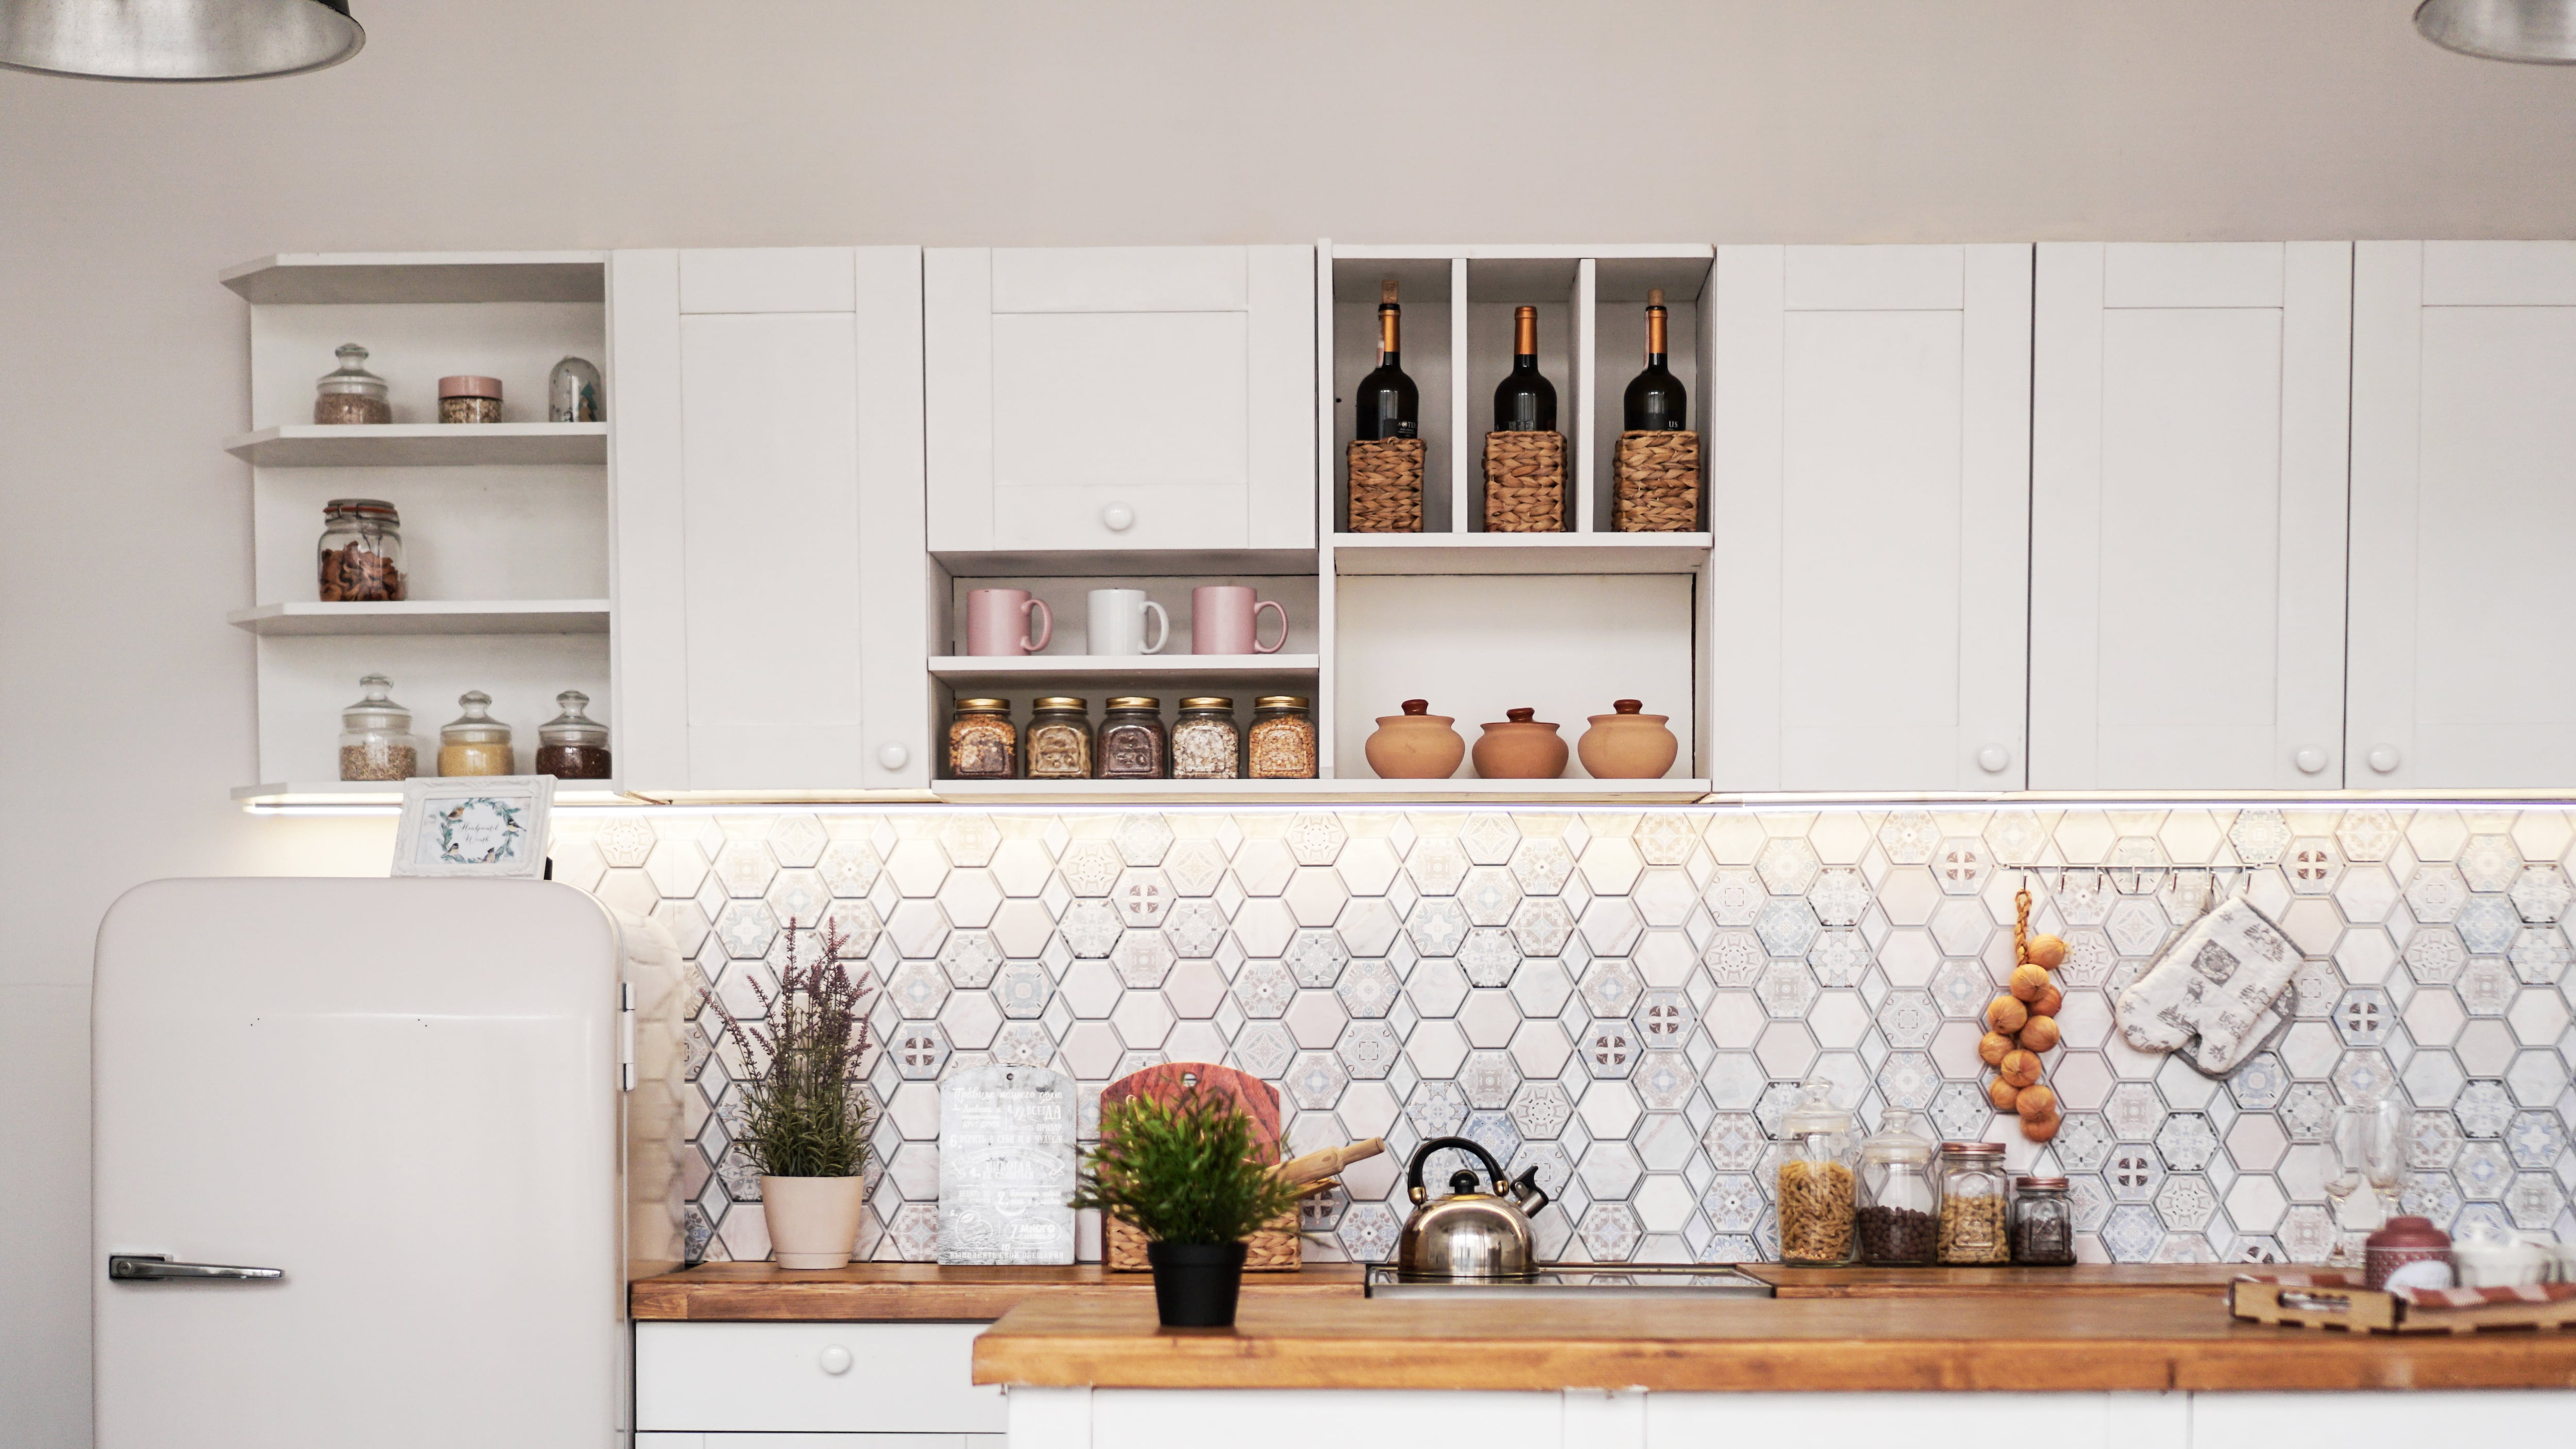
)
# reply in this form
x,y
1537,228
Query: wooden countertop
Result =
x,y
2151,1341
2082,1280
897,1292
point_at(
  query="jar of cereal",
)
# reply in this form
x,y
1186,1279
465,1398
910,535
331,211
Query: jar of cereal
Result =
x,y
1060,739
981,743
1204,743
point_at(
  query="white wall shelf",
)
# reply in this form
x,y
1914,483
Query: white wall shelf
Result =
x,y
1520,553
417,445
390,792
1320,792
427,616
342,278
1025,670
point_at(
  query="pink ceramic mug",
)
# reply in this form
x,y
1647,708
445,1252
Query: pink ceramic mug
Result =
x,y
997,622
1223,620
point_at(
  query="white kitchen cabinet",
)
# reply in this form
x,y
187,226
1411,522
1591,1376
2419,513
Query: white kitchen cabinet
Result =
x,y
2187,515
771,590
1120,398
1868,440
885,1385
2463,647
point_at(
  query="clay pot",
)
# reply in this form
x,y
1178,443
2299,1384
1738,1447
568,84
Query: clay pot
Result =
x,y
1415,745
1520,748
1626,745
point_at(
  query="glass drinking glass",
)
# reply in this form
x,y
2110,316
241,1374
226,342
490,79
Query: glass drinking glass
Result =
x,y
2369,1142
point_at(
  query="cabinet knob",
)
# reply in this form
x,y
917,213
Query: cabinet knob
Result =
x,y
2310,760
894,757
2384,758
834,1359
1993,758
1118,517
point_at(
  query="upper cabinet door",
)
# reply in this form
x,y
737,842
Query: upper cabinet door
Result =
x,y
2187,516
1121,397
1869,471
2463,651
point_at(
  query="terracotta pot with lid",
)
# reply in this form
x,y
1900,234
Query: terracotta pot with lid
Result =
x,y
1415,745
1521,747
1627,745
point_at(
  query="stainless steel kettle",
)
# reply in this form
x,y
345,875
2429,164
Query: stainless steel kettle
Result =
x,y
1470,1233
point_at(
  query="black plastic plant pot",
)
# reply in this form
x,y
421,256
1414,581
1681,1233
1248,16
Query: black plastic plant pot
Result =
x,y
1196,1284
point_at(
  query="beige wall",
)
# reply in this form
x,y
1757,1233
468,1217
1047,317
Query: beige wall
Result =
x,y
125,701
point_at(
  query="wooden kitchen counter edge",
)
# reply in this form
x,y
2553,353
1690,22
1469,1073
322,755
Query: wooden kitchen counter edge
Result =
x,y
920,1292
2151,1341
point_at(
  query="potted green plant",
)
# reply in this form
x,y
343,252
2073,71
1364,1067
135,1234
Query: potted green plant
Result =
x,y
1185,1171
804,1117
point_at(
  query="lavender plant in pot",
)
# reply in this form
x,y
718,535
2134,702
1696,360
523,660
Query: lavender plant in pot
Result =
x,y
805,1115
1186,1172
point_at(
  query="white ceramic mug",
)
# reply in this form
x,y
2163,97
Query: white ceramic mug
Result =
x,y
1118,623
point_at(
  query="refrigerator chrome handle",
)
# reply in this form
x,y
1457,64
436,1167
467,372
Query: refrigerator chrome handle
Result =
x,y
157,1268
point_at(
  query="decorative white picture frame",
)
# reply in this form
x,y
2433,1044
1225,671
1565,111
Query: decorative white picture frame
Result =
x,y
490,825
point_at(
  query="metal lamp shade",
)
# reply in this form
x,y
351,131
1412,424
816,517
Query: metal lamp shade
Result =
x,y
176,40
2542,32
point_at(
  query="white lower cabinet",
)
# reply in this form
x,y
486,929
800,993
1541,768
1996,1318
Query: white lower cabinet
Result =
x,y
862,1385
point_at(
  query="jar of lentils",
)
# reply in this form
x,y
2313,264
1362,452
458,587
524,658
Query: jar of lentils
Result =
x,y
1059,743
351,394
1132,744
2043,1222
1281,743
469,399
1973,1229
1205,745
981,743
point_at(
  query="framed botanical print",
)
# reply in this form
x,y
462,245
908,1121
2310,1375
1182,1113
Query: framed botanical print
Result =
x,y
489,825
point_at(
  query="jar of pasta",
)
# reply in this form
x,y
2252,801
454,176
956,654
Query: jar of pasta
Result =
x,y
1818,1183
1059,744
474,743
981,743
1132,743
1281,743
1204,743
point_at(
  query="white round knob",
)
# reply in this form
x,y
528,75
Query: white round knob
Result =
x,y
2384,758
894,757
2309,760
1118,517
1993,758
834,1359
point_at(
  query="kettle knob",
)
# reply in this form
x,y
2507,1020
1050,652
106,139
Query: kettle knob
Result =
x,y
1463,1180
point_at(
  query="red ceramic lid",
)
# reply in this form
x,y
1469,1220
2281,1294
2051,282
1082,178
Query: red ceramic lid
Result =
x,y
2409,1232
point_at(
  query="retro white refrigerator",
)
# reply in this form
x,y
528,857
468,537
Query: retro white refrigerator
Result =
x,y
374,1162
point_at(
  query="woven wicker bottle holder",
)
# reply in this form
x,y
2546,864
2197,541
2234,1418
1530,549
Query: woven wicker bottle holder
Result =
x,y
1386,485
1658,475
1275,1249
1525,482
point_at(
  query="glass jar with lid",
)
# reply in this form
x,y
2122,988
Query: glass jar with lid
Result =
x,y
1973,1229
1818,1187
981,743
375,736
359,558
1281,743
349,393
1205,745
2043,1222
474,743
466,398
1060,738
572,745
1132,743
1898,1198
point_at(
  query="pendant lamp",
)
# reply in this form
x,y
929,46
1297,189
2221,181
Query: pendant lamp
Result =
x,y
176,40
2542,32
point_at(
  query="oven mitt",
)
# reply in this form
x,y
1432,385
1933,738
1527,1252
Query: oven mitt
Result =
x,y
2217,982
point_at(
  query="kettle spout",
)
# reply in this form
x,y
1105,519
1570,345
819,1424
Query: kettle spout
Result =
x,y
1527,1192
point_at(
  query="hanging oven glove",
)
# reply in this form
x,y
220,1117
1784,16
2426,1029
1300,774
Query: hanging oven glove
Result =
x,y
2217,982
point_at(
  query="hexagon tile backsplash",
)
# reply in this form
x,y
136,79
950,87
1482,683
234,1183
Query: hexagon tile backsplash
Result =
x,y
1627,999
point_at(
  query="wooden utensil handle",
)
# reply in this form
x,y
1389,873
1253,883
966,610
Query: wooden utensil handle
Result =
x,y
1327,1161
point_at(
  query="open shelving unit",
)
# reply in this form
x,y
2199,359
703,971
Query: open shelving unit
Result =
x,y
420,445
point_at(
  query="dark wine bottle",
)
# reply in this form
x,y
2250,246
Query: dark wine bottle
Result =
x,y
1525,401
1387,405
1655,401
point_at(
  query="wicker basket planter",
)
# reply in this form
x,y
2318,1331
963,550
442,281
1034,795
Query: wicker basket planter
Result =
x,y
1274,1249
1386,497
1658,476
1525,482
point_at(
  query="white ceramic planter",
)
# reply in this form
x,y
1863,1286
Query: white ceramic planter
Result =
x,y
813,1221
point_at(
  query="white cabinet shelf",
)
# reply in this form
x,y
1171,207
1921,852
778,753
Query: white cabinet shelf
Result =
x,y
427,616
415,445
346,278
390,792
1021,671
1520,553
1320,792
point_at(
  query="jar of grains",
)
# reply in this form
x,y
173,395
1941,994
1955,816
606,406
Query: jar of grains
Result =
x,y
1281,743
1060,739
572,745
375,736
1897,1195
981,742
2043,1222
1972,1203
359,558
1205,744
469,399
474,743
349,393
1131,745
1817,1185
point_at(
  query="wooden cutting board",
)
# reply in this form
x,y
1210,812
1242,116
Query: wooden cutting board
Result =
x,y
1258,1099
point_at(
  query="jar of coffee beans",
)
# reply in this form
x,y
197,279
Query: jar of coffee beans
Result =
x,y
1897,1195
2043,1222
572,745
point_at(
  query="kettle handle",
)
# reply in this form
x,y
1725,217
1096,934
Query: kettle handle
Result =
x,y
1422,1154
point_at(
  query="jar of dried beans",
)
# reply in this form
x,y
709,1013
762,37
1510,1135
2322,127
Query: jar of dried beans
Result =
x,y
474,743
349,393
1818,1186
1205,745
1972,1204
469,399
1132,743
359,559
375,736
1897,1196
2043,1222
981,743
1060,739
572,745
1281,743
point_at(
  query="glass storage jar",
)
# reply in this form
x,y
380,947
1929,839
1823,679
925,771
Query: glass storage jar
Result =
x,y
359,558
1898,1199
2043,1222
1060,738
1281,743
469,399
349,393
981,743
1817,1184
1205,745
1973,1229
1132,743
572,745
572,393
375,736
474,743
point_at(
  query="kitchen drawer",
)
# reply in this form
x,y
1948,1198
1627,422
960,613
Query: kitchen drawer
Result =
x,y
905,1384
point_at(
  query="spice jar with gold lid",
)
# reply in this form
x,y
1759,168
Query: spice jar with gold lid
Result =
x,y
1205,744
1281,743
474,743
1132,743
981,743
1059,739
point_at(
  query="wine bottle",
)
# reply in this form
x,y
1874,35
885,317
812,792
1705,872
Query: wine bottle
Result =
x,y
1525,401
1655,401
1387,406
